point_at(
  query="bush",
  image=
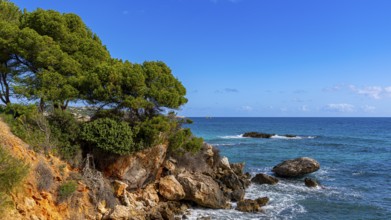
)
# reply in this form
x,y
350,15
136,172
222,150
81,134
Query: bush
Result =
x,y
109,135
183,140
65,129
66,190
12,172
150,132
44,177
30,125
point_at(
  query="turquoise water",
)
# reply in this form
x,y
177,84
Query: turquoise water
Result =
x,y
355,158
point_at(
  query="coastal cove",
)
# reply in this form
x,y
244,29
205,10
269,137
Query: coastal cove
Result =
x,y
353,152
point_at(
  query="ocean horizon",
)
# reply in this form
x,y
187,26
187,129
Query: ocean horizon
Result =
x,y
354,154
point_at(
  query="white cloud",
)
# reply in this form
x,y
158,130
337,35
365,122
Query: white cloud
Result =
x,y
230,90
304,108
334,88
246,108
375,92
342,107
368,108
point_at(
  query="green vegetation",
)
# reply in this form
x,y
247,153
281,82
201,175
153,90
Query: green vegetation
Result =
x,y
50,59
109,135
66,190
12,172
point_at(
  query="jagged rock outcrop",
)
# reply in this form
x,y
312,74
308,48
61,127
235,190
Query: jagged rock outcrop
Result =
x,y
170,188
138,169
121,212
202,190
250,205
262,178
296,167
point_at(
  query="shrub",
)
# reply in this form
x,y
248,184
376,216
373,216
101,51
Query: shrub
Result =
x,y
149,132
66,190
183,140
30,125
12,172
65,129
44,176
109,135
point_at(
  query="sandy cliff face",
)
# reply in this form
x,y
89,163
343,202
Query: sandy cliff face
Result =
x,y
31,203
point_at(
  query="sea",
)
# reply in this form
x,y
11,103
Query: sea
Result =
x,y
354,155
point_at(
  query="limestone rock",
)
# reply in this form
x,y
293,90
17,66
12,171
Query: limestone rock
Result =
x,y
237,168
138,169
170,188
202,190
262,201
230,180
29,203
261,178
119,187
296,167
121,212
225,163
310,182
150,195
250,205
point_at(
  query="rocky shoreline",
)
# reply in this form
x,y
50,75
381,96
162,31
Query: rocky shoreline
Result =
x,y
202,180
150,184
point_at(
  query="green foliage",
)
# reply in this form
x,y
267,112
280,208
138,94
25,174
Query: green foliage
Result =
x,y
109,135
28,124
65,129
66,190
164,90
53,58
152,131
12,172
183,141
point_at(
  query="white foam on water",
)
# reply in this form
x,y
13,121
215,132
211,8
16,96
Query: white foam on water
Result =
x,y
285,199
223,144
232,136
276,136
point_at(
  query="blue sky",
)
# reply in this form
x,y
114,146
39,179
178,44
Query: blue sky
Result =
x,y
255,57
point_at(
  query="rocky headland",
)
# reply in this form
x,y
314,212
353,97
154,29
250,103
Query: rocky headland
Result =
x,y
150,184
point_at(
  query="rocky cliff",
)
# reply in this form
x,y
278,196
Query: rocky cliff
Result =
x,y
149,184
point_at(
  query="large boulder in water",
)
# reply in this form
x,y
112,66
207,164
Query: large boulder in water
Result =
x,y
261,178
257,135
296,167
203,190
249,205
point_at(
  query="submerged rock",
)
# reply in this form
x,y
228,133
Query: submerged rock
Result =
x,y
264,179
310,182
296,167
